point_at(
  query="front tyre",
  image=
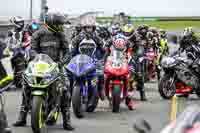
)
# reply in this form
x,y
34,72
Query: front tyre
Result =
x,y
77,101
166,88
37,117
116,91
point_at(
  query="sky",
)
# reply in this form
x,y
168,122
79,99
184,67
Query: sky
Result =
x,y
131,7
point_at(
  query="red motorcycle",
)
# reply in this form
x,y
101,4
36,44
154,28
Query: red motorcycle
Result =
x,y
116,73
150,72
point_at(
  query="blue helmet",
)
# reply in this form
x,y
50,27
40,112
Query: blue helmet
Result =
x,y
35,26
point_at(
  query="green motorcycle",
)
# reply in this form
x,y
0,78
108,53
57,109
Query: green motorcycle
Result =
x,y
42,76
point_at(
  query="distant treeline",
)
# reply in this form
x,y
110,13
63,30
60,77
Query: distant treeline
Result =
x,y
141,19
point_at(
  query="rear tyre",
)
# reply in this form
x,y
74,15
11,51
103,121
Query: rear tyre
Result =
x,y
116,91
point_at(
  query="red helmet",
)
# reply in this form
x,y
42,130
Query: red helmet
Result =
x,y
119,44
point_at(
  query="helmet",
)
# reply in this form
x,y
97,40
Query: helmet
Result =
x,y
143,29
163,33
153,30
128,30
33,27
119,42
88,23
18,22
115,29
55,22
150,35
188,32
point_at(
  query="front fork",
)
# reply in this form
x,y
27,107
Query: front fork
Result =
x,y
123,85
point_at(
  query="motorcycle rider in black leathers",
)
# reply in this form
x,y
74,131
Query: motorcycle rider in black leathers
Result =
x,y
140,41
188,40
89,32
50,40
18,40
76,31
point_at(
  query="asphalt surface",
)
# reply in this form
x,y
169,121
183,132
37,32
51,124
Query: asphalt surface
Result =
x,y
156,111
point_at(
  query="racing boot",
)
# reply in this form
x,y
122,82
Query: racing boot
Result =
x,y
65,109
4,123
7,130
140,88
130,103
23,114
21,122
67,121
142,95
100,87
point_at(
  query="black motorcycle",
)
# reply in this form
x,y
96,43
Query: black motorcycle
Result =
x,y
181,76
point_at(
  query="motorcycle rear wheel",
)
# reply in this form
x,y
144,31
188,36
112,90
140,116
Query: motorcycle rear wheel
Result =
x,y
116,91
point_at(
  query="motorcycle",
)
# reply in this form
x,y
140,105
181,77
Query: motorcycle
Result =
x,y
82,71
181,76
187,122
41,76
6,80
116,74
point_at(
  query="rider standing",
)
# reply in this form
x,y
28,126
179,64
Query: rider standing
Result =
x,y
136,50
50,40
18,40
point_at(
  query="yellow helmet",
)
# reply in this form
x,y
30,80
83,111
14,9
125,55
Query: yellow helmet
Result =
x,y
128,29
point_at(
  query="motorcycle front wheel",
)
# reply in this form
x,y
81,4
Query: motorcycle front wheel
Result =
x,y
116,100
37,114
77,101
166,88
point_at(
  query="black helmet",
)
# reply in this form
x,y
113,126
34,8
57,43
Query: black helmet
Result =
x,y
188,32
143,29
55,19
55,22
18,22
163,33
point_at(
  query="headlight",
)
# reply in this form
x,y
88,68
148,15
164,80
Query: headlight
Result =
x,y
168,61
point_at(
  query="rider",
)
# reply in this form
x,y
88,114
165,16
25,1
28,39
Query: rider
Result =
x,y
155,38
187,41
89,32
112,46
18,40
115,29
164,37
76,31
50,40
135,50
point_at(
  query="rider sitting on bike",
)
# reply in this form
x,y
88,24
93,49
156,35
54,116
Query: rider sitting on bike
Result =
x,y
89,32
188,43
109,47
